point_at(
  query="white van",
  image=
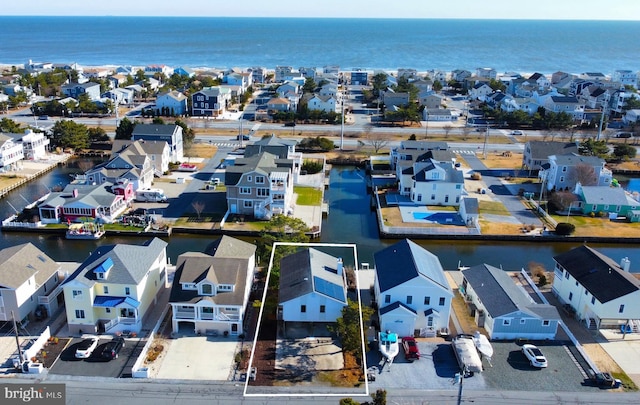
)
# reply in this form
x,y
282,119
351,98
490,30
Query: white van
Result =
x,y
150,195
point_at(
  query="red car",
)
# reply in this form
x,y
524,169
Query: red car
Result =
x,y
411,351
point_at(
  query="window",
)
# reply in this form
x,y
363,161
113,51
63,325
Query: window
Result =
x,y
77,294
506,322
263,192
409,299
576,283
387,299
207,289
303,308
249,179
323,309
441,303
79,313
419,197
458,186
561,179
247,203
127,291
523,321
245,190
433,196
107,310
593,300
105,289
570,296
566,275
621,309
546,323
259,179
427,300
564,168
586,292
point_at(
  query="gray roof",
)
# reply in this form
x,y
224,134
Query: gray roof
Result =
x,y
153,129
130,262
139,147
541,150
99,195
573,159
228,247
607,195
500,295
274,140
452,175
405,261
263,163
311,270
471,205
21,262
194,267
424,145
598,274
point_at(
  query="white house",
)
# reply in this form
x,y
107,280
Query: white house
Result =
x,y
34,145
10,152
505,310
603,293
322,103
480,91
312,287
211,290
411,290
114,289
28,280
632,116
436,183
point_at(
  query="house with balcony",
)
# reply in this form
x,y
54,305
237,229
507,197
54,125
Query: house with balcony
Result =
x,y
411,290
431,181
313,287
116,287
504,309
260,186
131,164
565,171
10,153
157,151
211,290
80,202
158,69
566,104
171,134
210,101
29,283
74,90
34,145
480,91
411,162
601,292
536,153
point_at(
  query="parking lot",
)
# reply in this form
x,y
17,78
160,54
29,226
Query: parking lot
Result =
x,y
94,366
509,369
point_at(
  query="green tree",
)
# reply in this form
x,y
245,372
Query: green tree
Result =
x,y
69,134
348,401
281,228
11,126
125,129
97,134
622,151
348,326
158,120
379,83
309,85
437,86
497,85
405,86
188,134
591,147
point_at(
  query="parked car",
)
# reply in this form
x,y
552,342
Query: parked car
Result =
x,y
534,355
411,351
43,117
244,137
290,124
517,132
623,135
112,348
86,347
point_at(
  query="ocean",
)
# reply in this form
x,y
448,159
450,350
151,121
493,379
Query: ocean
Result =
x,y
389,44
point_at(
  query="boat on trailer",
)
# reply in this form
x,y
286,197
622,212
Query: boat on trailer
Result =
x,y
85,230
467,355
388,345
483,345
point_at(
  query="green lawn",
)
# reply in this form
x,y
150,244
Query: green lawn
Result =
x,y
308,195
493,208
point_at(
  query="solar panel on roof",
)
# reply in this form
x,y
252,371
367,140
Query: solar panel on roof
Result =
x,y
324,287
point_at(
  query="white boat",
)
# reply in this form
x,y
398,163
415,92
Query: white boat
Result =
x,y
467,354
483,345
85,230
388,345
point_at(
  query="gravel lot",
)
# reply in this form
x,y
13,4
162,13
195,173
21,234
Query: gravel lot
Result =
x,y
509,369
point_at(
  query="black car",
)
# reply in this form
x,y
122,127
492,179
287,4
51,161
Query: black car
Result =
x,y
290,124
112,348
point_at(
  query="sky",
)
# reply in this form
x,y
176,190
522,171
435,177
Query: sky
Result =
x,y
475,9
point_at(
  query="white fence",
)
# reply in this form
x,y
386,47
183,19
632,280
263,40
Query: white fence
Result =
x,y
37,345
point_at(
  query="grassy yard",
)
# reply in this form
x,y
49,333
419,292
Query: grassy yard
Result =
x,y
308,195
492,208
201,150
587,226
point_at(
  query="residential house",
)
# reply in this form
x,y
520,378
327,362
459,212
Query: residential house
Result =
x,y
173,102
312,287
610,200
260,186
116,287
603,293
157,151
279,104
632,116
210,101
119,96
152,70
460,75
411,150
130,164
536,153
566,104
34,145
288,88
171,134
431,100
625,78
409,73
282,148
480,91
329,89
322,103
241,79
259,74
505,310
79,202
92,90
28,283
439,114
10,153
390,98
283,73
411,290
565,171
434,182
595,97
184,71
210,292
359,77
540,80
486,73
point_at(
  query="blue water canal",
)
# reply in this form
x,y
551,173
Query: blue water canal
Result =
x,y
350,220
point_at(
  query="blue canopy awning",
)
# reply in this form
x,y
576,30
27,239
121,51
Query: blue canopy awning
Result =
x,y
104,301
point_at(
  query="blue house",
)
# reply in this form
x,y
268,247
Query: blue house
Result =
x,y
503,308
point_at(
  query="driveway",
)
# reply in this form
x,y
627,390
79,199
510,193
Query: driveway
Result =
x,y
198,358
94,366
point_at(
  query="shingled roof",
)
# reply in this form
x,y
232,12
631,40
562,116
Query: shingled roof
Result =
x,y
21,262
598,274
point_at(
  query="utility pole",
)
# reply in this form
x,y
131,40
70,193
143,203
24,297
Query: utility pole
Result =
x,y
342,125
486,138
15,327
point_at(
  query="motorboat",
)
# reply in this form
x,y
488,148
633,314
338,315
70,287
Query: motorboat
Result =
x,y
85,230
388,345
483,345
467,355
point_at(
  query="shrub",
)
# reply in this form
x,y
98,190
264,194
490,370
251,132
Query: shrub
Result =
x,y
542,280
312,166
564,229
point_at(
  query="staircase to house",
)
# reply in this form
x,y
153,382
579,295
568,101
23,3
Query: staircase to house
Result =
x,y
635,325
591,324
